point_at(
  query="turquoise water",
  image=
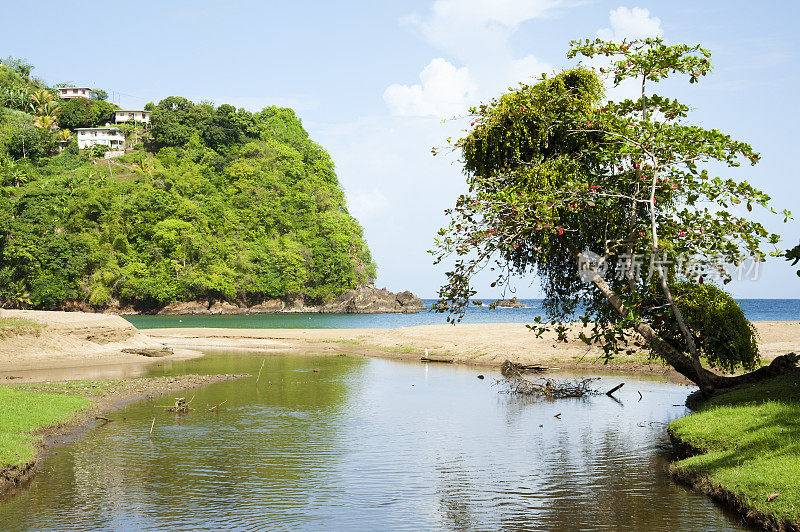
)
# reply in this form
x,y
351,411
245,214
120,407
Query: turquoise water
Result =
x,y
754,309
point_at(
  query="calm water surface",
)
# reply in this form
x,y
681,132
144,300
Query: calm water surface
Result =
x,y
754,309
367,444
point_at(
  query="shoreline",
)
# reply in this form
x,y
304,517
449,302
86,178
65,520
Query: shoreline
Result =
x,y
740,450
76,345
726,498
14,478
484,345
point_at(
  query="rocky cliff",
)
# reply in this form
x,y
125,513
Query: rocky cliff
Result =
x,y
508,303
363,300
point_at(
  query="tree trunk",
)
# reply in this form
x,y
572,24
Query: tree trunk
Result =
x,y
710,383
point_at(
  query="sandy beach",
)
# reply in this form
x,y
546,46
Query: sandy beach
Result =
x,y
68,340
475,344
63,341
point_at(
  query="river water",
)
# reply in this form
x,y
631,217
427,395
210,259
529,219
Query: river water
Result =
x,y
369,444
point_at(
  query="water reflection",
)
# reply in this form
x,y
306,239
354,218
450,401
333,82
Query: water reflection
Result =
x,y
369,444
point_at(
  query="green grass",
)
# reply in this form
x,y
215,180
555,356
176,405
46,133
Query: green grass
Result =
x,y
14,326
80,387
751,439
23,413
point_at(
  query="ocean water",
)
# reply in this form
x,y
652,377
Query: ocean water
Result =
x,y
754,309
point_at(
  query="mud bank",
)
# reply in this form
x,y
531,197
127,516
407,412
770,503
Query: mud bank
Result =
x,y
106,397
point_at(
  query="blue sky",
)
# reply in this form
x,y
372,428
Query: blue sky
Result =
x,y
373,81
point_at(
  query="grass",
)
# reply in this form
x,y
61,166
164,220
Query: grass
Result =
x,y
751,443
15,326
23,413
84,388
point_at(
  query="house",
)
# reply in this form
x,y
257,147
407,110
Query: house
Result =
x,y
75,92
128,115
106,136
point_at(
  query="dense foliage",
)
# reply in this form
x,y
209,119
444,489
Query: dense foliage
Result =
x,y
82,112
608,202
217,203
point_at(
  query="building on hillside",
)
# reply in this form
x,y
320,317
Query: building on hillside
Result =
x,y
126,115
105,136
75,92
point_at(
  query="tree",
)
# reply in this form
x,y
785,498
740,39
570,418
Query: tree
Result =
x,y
584,193
794,256
81,112
18,65
99,94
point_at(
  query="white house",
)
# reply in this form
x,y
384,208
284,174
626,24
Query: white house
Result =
x,y
107,136
75,92
127,115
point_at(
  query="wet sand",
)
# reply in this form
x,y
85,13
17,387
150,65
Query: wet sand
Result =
x,y
95,342
71,339
475,344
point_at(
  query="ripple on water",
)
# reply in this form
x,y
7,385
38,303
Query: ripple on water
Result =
x,y
356,446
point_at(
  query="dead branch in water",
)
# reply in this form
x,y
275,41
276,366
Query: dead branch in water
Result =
x,y
514,369
180,406
216,408
548,388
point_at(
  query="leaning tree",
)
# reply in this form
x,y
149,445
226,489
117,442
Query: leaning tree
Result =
x,y
615,206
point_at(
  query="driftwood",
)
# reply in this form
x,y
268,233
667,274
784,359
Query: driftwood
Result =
x,y
148,351
547,387
430,358
610,392
514,369
181,405
216,407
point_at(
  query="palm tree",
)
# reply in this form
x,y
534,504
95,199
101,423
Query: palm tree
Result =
x,y
41,97
45,122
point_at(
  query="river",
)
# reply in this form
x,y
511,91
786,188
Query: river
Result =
x,y
352,443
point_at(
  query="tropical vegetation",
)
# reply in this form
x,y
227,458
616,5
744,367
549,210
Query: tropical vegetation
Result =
x,y
215,203
617,209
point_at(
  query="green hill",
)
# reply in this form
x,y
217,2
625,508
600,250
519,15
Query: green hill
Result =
x,y
216,203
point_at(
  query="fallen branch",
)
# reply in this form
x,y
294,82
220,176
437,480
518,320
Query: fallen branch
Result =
x,y
217,406
548,388
514,369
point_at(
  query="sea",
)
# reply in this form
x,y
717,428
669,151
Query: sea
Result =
x,y
754,310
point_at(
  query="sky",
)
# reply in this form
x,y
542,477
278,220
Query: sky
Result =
x,y
380,83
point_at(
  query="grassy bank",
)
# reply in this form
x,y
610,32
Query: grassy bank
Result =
x,y
15,326
26,412
744,448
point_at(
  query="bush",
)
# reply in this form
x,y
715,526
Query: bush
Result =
x,y
99,150
722,333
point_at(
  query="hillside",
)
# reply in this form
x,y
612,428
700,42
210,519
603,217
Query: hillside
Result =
x,y
216,203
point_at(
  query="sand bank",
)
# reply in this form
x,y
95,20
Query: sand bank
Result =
x,y
475,344
69,339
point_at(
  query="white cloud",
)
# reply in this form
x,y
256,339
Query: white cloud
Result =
x,y
477,34
630,24
445,91
366,205
635,23
465,28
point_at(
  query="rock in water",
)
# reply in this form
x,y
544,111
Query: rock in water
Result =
x,y
508,303
369,300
